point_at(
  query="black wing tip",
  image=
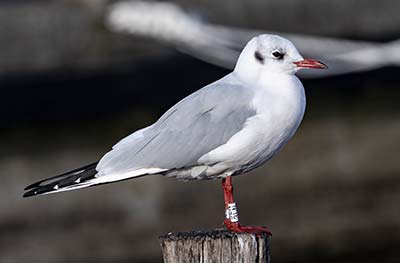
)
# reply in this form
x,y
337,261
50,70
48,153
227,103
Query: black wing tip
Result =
x,y
37,184
30,193
38,190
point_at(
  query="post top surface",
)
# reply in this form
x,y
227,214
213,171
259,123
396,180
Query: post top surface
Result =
x,y
216,233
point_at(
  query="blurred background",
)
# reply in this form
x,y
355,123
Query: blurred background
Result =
x,y
74,82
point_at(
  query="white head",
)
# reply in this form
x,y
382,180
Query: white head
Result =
x,y
273,54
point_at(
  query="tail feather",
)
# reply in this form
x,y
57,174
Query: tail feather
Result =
x,y
74,179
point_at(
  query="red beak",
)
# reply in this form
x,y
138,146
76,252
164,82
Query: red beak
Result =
x,y
310,63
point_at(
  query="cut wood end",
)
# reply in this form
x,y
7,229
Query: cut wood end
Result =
x,y
216,233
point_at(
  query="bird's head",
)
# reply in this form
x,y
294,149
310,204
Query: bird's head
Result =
x,y
275,54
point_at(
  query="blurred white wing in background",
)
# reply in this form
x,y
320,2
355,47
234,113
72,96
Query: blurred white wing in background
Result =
x,y
221,45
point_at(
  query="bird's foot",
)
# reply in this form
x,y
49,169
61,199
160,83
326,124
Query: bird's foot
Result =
x,y
237,228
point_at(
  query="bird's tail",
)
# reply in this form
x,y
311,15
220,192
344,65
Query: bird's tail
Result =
x,y
78,178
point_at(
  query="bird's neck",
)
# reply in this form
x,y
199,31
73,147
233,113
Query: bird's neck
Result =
x,y
275,90
264,78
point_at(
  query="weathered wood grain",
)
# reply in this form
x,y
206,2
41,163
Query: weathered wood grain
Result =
x,y
216,246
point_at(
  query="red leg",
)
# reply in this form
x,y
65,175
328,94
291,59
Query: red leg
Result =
x,y
232,219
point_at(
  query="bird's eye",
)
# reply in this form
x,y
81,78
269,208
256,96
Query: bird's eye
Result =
x,y
278,54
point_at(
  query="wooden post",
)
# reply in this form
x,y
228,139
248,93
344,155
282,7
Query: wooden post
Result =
x,y
214,246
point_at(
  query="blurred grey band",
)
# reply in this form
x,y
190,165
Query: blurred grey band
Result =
x,y
221,45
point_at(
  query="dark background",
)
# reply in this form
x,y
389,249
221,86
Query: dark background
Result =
x,y
70,89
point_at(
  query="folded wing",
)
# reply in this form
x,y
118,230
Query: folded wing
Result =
x,y
196,125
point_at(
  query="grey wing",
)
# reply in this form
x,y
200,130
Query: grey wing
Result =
x,y
196,125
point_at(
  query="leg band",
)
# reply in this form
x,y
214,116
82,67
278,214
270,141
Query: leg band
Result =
x,y
231,213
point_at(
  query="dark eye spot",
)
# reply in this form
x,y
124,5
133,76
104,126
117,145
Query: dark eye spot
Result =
x,y
259,57
278,55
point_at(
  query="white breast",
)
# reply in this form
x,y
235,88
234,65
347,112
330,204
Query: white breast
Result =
x,y
280,109
280,105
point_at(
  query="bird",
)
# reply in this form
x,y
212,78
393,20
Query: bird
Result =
x,y
224,129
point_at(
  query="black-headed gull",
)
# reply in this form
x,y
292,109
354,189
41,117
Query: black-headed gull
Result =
x,y
227,128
